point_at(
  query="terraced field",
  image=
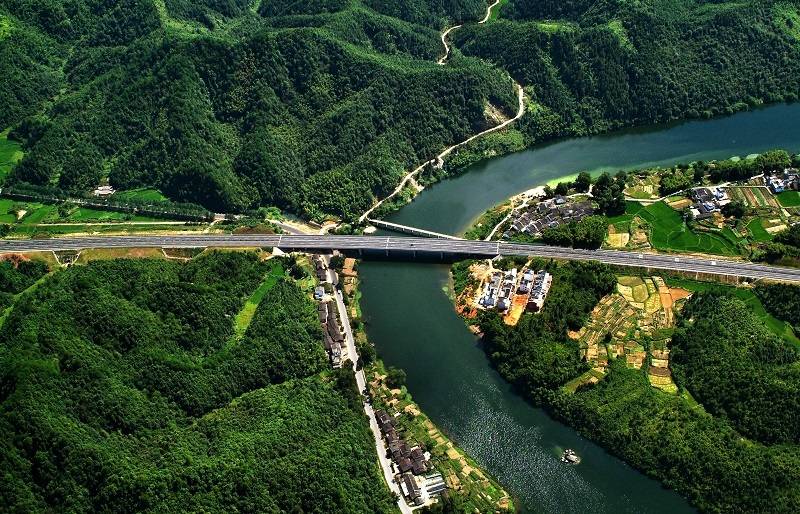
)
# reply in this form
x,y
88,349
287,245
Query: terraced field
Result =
x,y
634,323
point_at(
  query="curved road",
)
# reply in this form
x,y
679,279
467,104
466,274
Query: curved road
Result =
x,y
413,245
439,159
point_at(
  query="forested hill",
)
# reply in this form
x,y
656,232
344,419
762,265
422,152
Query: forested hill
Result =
x,y
315,107
595,65
123,389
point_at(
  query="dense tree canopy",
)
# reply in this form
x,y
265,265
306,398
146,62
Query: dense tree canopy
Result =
x,y
315,107
782,301
590,232
592,66
123,390
738,369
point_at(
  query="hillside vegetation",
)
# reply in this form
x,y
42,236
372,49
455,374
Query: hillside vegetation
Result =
x,y
119,394
320,107
315,107
735,450
592,66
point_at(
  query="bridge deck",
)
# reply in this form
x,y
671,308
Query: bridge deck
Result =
x,y
397,246
405,229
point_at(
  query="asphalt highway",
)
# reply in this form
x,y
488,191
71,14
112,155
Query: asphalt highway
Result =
x,y
393,245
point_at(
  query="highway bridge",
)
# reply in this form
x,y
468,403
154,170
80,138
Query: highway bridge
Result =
x,y
404,247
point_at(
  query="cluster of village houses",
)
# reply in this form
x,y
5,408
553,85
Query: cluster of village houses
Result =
x,y
550,213
707,201
788,180
504,289
333,337
410,464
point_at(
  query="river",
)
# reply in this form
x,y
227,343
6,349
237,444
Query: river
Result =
x,y
413,325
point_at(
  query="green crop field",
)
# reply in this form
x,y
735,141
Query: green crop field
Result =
x,y
37,212
631,210
758,232
789,198
669,232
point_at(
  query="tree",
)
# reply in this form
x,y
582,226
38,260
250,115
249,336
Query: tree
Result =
x,y
562,188
735,209
582,182
395,377
609,195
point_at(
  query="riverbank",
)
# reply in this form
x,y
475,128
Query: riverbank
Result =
x,y
602,364
727,207
448,371
469,487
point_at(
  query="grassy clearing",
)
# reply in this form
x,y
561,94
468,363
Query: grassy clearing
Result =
x,y
777,326
245,316
86,214
495,13
10,151
789,198
140,194
622,35
758,232
554,26
97,254
4,314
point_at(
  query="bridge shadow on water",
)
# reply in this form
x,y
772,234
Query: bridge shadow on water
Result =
x,y
419,256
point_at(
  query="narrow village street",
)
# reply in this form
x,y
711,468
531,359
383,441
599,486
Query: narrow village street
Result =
x,y
361,382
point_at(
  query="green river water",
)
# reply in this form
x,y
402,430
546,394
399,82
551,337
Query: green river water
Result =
x,y
413,325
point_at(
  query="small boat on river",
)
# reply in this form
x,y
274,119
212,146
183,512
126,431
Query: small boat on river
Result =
x,y
570,457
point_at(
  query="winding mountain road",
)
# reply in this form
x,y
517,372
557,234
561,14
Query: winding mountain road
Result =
x,y
439,159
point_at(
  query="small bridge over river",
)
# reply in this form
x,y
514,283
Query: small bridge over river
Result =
x,y
405,229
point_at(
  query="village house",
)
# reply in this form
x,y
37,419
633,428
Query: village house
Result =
x,y
103,191
547,214
409,462
498,290
410,489
504,288
788,180
541,286
320,269
333,339
708,200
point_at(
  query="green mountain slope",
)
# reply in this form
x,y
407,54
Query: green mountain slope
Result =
x,y
313,107
119,394
592,66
